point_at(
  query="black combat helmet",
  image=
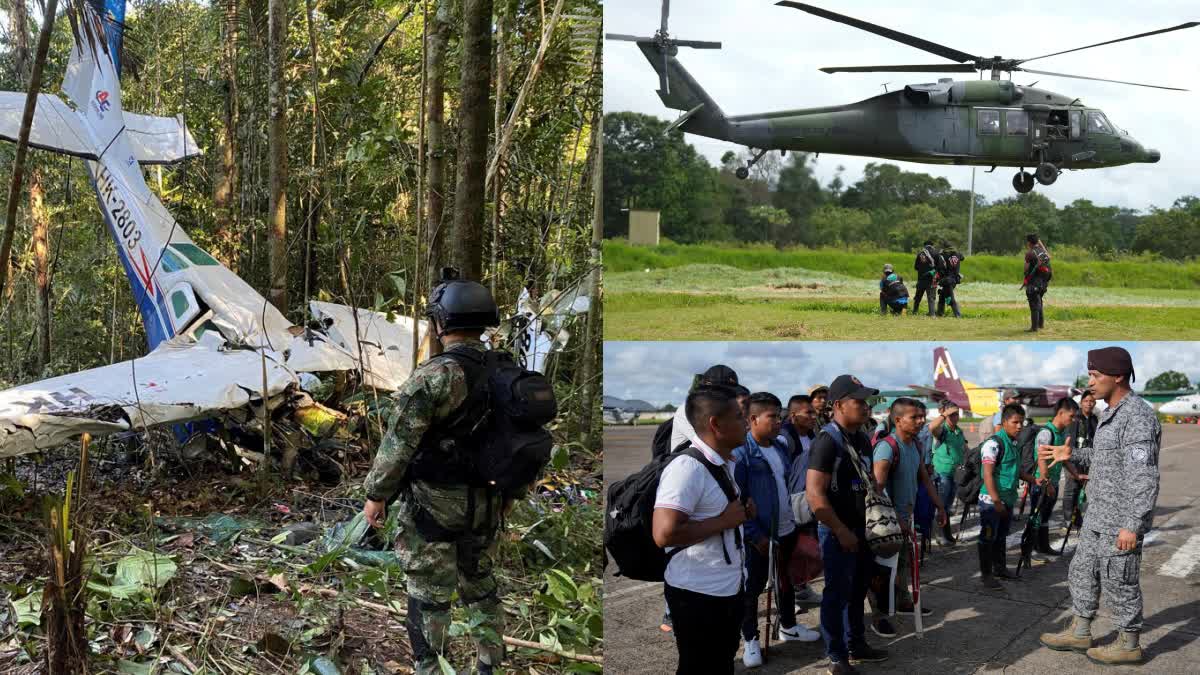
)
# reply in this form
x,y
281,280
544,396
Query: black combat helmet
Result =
x,y
456,304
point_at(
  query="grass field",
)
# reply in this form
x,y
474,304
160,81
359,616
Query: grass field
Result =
x,y
663,293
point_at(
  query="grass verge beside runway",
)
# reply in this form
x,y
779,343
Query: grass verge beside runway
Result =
x,y
690,316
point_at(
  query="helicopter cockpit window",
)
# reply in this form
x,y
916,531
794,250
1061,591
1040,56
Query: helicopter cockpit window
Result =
x,y
1016,122
989,121
1097,123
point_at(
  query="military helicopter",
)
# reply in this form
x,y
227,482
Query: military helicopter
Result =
x,y
993,122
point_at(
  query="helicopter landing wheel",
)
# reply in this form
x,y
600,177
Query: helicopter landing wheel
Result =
x,y
1047,173
1023,182
742,173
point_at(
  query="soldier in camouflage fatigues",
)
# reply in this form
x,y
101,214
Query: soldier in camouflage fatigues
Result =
x,y
448,531
1122,491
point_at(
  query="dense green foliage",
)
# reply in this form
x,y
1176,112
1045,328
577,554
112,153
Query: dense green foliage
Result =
x,y
782,203
1072,267
1171,380
368,230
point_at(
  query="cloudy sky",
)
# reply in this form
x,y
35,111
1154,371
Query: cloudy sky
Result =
x,y
770,57
660,372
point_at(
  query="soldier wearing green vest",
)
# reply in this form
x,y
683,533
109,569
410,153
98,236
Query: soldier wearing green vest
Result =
x,y
1001,460
948,447
1054,433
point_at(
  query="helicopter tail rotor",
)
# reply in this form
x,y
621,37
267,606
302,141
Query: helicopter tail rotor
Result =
x,y
666,46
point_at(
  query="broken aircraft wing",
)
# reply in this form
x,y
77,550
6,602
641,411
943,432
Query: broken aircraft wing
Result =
x,y
55,126
177,382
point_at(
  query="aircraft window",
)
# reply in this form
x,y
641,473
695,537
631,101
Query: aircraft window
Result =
x,y
171,262
989,121
1075,124
195,254
1018,122
179,302
1096,124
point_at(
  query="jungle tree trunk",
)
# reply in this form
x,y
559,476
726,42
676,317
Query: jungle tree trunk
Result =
x,y
41,258
227,166
277,142
591,337
435,137
466,234
18,167
316,191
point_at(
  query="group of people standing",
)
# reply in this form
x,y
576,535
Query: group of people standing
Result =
x,y
942,270
772,486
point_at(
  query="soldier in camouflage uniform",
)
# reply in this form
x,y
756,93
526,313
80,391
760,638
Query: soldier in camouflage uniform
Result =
x,y
1122,491
448,529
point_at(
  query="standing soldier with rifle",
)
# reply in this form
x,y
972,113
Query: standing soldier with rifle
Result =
x,y
449,518
1123,490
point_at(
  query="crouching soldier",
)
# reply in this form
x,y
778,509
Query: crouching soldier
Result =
x,y
448,522
1122,491
893,294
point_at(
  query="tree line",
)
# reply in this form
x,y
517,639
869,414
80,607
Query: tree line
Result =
x,y
782,202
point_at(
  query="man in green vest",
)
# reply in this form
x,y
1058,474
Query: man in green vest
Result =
x,y
1054,433
948,447
1002,471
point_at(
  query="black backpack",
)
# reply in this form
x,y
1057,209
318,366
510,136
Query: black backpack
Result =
x,y
1043,261
968,476
513,445
661,445
1025,443
629,517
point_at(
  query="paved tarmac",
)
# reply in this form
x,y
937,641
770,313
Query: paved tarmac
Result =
x,y
970,630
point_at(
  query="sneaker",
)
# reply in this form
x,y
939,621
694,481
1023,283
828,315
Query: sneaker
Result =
x,y
666,626
990,583
798,633
841,668
907,610
752,654
865,653
807,596
883,628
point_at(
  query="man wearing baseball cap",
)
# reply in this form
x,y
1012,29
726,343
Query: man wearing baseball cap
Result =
x,y
716,376
819,393
1123,485
836,494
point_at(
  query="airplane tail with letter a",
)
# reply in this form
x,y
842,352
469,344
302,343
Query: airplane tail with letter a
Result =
x,y
968,396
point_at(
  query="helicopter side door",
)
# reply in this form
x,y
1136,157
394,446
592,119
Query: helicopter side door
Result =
x,y
1000,134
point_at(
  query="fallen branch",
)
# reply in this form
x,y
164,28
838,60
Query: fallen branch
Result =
x,y
332,593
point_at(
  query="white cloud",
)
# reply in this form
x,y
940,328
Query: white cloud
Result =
x,y
1158,357
1018,364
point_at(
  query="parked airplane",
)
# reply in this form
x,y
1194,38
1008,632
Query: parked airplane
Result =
x,y
1184,406
984,401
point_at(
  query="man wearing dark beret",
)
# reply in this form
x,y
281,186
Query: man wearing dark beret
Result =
x,y
1122,463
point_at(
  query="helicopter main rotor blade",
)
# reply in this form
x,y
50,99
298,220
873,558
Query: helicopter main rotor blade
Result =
x,y
1098,79
928,68
627,38
666,12
697,44
905,38
1190,24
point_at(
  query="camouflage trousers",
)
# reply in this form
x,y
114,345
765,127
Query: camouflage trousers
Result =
x,y
440,556
1098,566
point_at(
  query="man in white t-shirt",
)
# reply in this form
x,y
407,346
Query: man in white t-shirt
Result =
x,y
698,520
